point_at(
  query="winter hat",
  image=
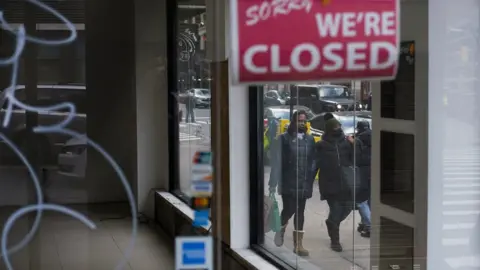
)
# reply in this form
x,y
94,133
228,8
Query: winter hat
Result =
x,y
331,124
362,126
328,116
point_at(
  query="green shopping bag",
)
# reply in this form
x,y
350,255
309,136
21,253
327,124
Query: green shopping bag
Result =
x,y
275,225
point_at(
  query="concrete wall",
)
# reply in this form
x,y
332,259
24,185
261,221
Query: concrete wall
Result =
x,y
151,100
110,76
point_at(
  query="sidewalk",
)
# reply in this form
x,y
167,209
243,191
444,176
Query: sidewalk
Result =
x,y
355,248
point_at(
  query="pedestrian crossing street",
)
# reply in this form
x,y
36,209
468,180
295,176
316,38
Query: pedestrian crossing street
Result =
x,y
191,131
197,123
460,237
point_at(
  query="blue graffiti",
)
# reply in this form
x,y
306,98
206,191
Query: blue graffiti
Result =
x,y
21,38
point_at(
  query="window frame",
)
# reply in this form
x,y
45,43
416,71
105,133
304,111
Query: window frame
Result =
x,y
257,185
172,93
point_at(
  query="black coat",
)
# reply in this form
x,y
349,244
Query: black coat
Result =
x,y
293,163
364,164
331,155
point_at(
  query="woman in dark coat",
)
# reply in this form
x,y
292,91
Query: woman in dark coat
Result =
x,y
292,171
333,153
364,135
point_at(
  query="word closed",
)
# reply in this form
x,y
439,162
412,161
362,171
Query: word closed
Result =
x,y
309,40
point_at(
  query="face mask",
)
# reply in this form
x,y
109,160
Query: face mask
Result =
x,y
337,132
301,128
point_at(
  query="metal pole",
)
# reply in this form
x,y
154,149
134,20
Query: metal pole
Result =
x,y
289,88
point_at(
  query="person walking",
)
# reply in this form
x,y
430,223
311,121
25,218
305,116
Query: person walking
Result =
x,y
293,172
364,135
270,135
335,153
190,106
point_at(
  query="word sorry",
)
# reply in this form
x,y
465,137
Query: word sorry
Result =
x,y
351,47
264,11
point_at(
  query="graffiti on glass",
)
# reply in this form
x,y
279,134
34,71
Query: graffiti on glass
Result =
x,y
13,61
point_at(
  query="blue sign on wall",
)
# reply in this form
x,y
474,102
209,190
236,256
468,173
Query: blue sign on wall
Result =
x,y
194,252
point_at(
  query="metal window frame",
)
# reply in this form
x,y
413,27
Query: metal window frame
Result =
x,y
173,121
257,187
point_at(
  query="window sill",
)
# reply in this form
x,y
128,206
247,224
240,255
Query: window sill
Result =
x,y
248,257
253,260
182,207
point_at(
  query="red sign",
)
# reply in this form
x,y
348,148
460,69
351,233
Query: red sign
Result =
x,y
313,40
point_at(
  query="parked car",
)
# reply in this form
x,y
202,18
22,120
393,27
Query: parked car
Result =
x,y
286,96
72,160
272,98
324,98
348,120
47,145
202,97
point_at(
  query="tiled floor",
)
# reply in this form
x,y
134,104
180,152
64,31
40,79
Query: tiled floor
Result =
x,y
65,243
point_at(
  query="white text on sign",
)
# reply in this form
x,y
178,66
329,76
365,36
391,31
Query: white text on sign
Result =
x,y
344,24
356,55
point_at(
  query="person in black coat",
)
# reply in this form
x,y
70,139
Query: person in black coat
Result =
x,y
334,152
328,116
293,154
364,135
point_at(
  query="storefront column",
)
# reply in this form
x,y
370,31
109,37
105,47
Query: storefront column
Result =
x,y
229,140
151,101
216,52
398,237
453,142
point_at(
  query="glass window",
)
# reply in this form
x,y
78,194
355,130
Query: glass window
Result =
x,y
193,92
333,92
52,88
318,171
308,169
396,245
397,159
398,95
305,91
74,94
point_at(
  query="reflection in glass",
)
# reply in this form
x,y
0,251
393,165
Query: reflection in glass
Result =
x,y
397,159
396,245
329,244
398,95
193,91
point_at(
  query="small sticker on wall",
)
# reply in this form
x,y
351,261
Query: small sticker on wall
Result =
x,y
200,218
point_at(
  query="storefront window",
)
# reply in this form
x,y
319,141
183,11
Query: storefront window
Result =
x,y
318,225
346,163
192,91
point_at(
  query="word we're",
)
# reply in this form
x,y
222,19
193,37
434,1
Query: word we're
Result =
x,y
350,24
